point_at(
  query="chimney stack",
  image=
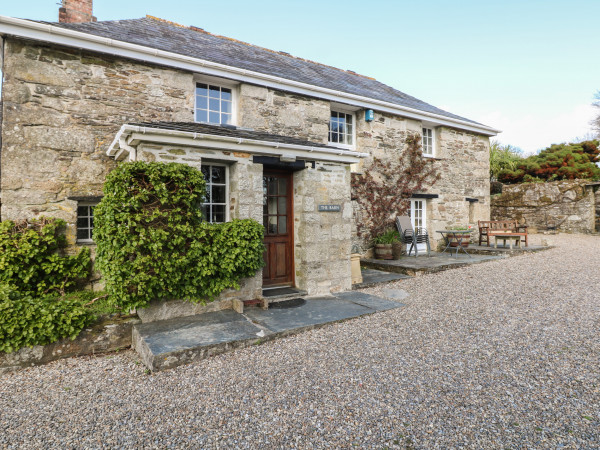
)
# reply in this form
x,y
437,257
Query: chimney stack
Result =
x,y
76,11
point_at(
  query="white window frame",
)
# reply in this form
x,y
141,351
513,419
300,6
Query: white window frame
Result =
x,y
221,83
342,109
227,181
87,204
423,132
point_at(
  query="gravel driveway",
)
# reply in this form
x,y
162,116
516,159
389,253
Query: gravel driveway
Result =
x,y
504,354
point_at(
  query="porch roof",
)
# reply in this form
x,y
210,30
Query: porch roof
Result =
x,y
225,138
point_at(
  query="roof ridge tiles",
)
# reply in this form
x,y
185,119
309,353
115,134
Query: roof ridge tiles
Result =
x,y
220,36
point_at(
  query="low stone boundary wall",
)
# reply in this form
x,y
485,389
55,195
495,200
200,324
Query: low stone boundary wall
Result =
x,y
568,205
109,334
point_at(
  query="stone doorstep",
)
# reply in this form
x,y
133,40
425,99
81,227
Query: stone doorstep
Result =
x,y
173,342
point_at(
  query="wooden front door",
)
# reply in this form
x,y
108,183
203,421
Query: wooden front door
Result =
x,y
278,220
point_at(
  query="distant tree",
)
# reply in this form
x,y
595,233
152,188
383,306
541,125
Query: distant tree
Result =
x,y
557,162
503,157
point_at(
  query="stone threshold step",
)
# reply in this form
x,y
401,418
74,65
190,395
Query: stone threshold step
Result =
x,y
173,342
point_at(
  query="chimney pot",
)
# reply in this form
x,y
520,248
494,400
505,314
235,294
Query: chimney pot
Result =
x,y
76,11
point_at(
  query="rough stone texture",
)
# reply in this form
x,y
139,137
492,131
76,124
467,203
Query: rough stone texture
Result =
x,y
462,159
109,334
62,108
283,113
569,205
322,239
161,310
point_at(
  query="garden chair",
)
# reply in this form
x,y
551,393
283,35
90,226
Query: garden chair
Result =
x,y
408,235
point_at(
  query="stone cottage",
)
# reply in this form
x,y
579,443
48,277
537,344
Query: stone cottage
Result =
x,y
276,136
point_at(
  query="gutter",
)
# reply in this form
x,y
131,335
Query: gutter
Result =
x,y
49,33
121,145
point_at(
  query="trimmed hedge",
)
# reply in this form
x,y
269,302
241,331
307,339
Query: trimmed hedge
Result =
x,y
31,259
153,243
29,321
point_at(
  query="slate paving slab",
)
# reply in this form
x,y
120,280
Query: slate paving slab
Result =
x,y
170,343
371,277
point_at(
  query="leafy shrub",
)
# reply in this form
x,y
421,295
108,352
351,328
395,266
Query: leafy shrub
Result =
x,y
388,237
29,321
31,258
153,243
557,162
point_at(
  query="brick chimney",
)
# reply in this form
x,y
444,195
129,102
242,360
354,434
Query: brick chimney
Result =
x,y
75,11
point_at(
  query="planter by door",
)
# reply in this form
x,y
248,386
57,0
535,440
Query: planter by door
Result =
x,y
278,220
383,251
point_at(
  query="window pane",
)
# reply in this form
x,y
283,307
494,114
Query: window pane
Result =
x,y
349,139
201,89
82,222
213,117
281,205
272,205
218,174
83,234
218,194
334,137
226,94
206,212
226,107
214,92
82,211
282,186
272,186
214,104
201,102
218,213
206,172
226,119
201,116
272,225
282,224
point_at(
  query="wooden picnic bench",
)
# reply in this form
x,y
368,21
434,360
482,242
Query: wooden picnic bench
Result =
x,y
506,228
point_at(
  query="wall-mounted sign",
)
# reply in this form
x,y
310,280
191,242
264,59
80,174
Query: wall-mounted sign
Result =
x,y
330,208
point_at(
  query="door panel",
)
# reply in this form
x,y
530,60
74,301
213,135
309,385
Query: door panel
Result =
x,y
278,221
418,218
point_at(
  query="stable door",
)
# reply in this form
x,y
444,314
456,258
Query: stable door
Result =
x,y
279,229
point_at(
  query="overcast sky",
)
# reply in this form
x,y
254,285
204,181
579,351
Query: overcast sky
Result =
x,y
527,67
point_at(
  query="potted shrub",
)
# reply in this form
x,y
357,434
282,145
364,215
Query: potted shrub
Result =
x,y
464,239
383,244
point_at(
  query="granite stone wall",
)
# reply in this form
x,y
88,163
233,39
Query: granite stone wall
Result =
x,y
568,205
461,157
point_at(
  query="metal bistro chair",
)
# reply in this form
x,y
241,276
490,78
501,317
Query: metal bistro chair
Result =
x,y
408,235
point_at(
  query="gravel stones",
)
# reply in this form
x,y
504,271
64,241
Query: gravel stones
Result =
x,y
495,355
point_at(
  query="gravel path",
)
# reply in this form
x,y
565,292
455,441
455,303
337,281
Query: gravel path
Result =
x,y
504,354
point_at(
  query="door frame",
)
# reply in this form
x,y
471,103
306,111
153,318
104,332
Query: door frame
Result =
x,y
423,217
290,244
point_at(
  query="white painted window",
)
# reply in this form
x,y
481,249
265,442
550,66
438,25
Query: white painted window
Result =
x,y
85,222
341,128
428,142
215,205
214,104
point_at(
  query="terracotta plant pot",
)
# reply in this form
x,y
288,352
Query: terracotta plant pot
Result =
x,y
383,251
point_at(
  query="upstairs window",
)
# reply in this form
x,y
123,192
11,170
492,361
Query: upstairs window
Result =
x,y
428,142
85,222
341,128
214,208
214,104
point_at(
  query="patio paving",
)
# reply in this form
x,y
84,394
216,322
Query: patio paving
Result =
x,y
170,343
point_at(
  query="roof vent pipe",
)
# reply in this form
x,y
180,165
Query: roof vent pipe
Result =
x,y
76,11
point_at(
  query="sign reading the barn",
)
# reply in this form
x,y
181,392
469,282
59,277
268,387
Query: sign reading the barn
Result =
x,y
330,208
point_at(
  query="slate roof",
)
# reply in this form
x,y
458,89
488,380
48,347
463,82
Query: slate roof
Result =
x,y
195,42
230,131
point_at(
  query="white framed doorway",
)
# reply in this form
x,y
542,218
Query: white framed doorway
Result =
x,y
418,218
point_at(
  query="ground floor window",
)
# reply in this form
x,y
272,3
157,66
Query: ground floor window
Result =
x,y
214,208
85,221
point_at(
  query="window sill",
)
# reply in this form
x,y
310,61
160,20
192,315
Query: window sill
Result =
x,y
85,242
342,146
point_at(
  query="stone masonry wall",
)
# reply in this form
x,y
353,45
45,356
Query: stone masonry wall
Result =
x,y
568,205
462,159
62,108
322,239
